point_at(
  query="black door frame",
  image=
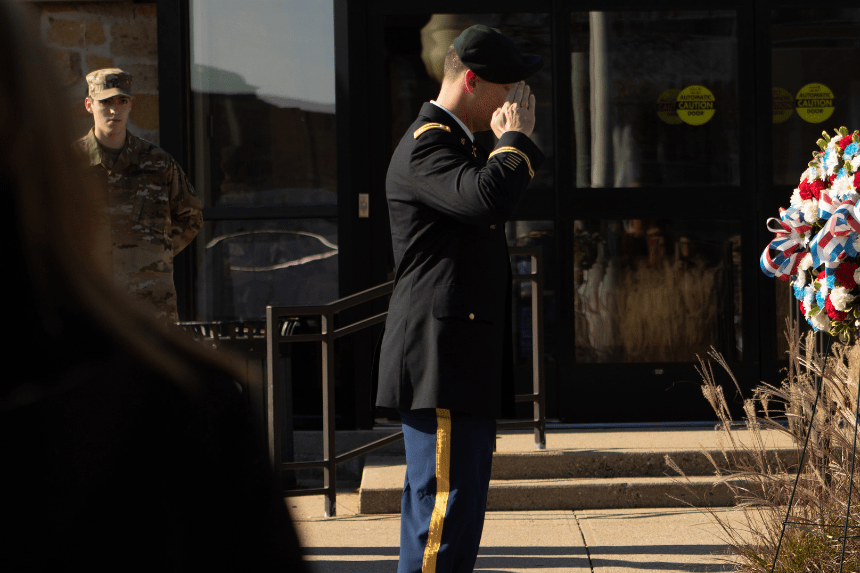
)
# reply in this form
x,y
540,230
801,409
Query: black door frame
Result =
x,y
576,399
365,243
717,202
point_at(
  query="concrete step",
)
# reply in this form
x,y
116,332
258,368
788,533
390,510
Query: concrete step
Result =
x,y
581,469
633,452
382,484
559,464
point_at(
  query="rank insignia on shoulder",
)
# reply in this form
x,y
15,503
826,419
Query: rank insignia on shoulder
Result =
x,y
428,127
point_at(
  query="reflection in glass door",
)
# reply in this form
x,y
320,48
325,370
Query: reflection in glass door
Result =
x,y
655,98
656,290
653,223
262,79
815,83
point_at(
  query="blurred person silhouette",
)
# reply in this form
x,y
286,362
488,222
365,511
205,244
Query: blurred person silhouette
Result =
x,y
125,447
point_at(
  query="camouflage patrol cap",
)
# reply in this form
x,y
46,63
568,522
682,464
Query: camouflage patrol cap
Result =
x,y
108,82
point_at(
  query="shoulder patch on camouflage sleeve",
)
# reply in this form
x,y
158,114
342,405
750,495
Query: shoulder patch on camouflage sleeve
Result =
x,y
428,127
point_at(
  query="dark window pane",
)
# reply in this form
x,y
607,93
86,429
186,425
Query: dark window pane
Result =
x,y
263,104
650,290
246,265
815,87
655,98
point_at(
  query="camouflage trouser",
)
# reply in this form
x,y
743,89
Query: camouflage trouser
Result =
x,y
153,292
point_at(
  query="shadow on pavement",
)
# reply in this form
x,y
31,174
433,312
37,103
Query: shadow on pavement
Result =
x,y
656,550
490,559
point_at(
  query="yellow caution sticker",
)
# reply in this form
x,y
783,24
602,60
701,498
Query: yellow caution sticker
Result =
x,y
783,105
696,105
667,107
814,103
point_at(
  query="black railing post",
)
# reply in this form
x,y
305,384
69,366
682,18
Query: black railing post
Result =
x,y
273,390
537,353
329,448
537,397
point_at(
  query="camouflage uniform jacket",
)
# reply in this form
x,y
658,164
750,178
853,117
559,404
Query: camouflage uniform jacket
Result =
x,y
153,212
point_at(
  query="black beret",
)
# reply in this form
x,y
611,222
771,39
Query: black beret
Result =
x,y
493,56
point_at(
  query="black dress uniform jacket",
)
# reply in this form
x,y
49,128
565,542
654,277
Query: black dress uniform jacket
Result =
x,y
447,340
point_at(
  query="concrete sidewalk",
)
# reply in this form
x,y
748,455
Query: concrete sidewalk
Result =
x,y
602,541
554,540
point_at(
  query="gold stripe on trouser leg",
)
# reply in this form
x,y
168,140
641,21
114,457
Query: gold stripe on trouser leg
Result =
x,y
443,487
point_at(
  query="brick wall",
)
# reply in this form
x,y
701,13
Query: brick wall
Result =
x,y
87,36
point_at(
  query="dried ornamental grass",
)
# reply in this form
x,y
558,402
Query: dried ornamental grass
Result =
x,y
762,482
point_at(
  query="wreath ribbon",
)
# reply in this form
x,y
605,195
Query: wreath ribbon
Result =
x,y
836,239
790,231
827,204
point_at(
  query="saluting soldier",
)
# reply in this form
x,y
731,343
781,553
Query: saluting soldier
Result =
x,y
446,358
153,209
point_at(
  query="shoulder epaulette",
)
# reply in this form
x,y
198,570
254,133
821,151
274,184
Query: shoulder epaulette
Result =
x,y
428,127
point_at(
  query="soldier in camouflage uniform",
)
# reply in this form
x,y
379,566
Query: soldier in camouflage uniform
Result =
x,y
153,209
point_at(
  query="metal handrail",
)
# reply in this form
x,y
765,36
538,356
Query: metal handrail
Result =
x,y
328,335
538,397
275,336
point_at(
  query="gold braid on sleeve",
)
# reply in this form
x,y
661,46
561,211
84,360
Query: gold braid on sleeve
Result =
x,y
509,149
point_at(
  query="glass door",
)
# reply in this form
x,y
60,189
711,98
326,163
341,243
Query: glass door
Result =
x,y
645,207
655,212
265,151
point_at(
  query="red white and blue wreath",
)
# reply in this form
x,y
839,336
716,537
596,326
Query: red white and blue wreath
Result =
x,y
818,238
